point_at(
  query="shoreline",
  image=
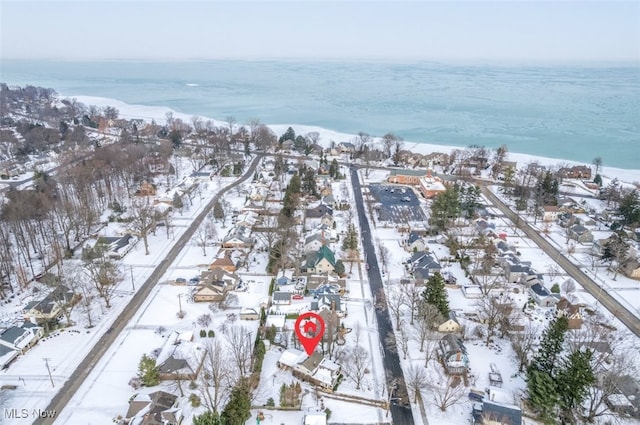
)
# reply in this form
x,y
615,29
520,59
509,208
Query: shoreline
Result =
x,y
157,113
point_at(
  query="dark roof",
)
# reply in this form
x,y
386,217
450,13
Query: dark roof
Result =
x,y
505,414
413,236
405,172
281,296
328,299
319,211
12,333
172,365
4,350
540,290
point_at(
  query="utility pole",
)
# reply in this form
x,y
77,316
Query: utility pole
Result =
x,y
46,362
133,287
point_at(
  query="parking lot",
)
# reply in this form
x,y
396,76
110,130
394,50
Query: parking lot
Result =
x,y
397,204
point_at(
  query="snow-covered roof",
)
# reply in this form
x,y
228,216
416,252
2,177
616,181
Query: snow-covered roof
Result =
x,y
292,357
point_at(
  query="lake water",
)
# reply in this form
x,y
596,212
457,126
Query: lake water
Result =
x,y
572,112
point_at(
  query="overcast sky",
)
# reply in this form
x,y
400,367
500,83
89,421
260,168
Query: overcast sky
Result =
x,y
420,29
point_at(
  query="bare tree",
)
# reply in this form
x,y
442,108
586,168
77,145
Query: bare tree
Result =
x,y
395,302
313,137
239,342
105,276
488,309
416,379
384,255
231,122
427,319
206,232
523,343
86,303
448,390
216,378
143,221
413,297
204,320
356,365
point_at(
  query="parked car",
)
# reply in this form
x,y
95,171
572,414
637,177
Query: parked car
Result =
x,y
298,297
278,338
181,280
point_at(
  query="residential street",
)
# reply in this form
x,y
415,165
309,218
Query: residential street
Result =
x,y
400,413
83,370
609,302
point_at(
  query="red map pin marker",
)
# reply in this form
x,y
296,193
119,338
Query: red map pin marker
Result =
x,y
309,330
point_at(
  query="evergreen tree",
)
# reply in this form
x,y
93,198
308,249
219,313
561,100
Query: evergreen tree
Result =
x,y
445,206
573,381
208,418
339,268
237,411
177,201
435,293
630,209
551,346
543,395
333,168
598,180
218,211
148,372
288,135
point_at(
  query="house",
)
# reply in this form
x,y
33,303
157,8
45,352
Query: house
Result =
x,y
346,147
218,276
408,177
322,261
238,237
513,271
550,213
580,233
315,418
472,291
146,189
247,219
631,268
451,324
542,296
415,242
21,338
314,242
319,211
431,186
157,408
223,262
493,413
576,172
210,292
50,309
285,279
314,369
249,314
7,355
115,247
628,388
329,302
330,200
281,298
564,308
287,145
453,354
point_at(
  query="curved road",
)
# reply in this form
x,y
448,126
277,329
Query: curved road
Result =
x,y
83,370
610,303
401,414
